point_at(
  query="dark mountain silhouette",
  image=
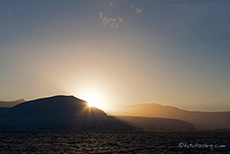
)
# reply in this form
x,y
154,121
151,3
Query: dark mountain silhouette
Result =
x,y
58,112
57,106
201,120
11,103
68,112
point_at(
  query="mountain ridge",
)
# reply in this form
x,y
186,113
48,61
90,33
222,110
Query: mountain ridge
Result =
x,y
69,112
11,103
202,120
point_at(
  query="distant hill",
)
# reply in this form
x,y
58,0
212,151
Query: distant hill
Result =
x,y
145,123
68,112
11,103
201,120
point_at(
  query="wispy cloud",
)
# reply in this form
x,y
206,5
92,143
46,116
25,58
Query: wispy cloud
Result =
x,y
137,10
110,17
112,22
111,3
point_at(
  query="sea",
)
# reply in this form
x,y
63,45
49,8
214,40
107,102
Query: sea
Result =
x,y
127,142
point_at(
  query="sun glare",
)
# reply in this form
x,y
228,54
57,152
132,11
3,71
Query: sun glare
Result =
x,y
93,98
93,101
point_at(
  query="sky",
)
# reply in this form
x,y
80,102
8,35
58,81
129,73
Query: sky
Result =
x,y
117,51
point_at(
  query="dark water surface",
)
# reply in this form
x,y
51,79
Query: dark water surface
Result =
x,y
113,142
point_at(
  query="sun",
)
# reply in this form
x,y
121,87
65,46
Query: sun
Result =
x,y
93,97
93,100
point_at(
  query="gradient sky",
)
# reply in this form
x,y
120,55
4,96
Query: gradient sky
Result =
x,y
123,51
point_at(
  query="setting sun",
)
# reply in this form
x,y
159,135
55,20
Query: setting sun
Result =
x,y
94,98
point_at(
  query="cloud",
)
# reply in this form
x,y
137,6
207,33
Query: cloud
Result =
x,y
137,10
111,3
112,22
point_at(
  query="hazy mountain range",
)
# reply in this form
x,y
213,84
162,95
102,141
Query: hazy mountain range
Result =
x,y
68,112
201,120
11,103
